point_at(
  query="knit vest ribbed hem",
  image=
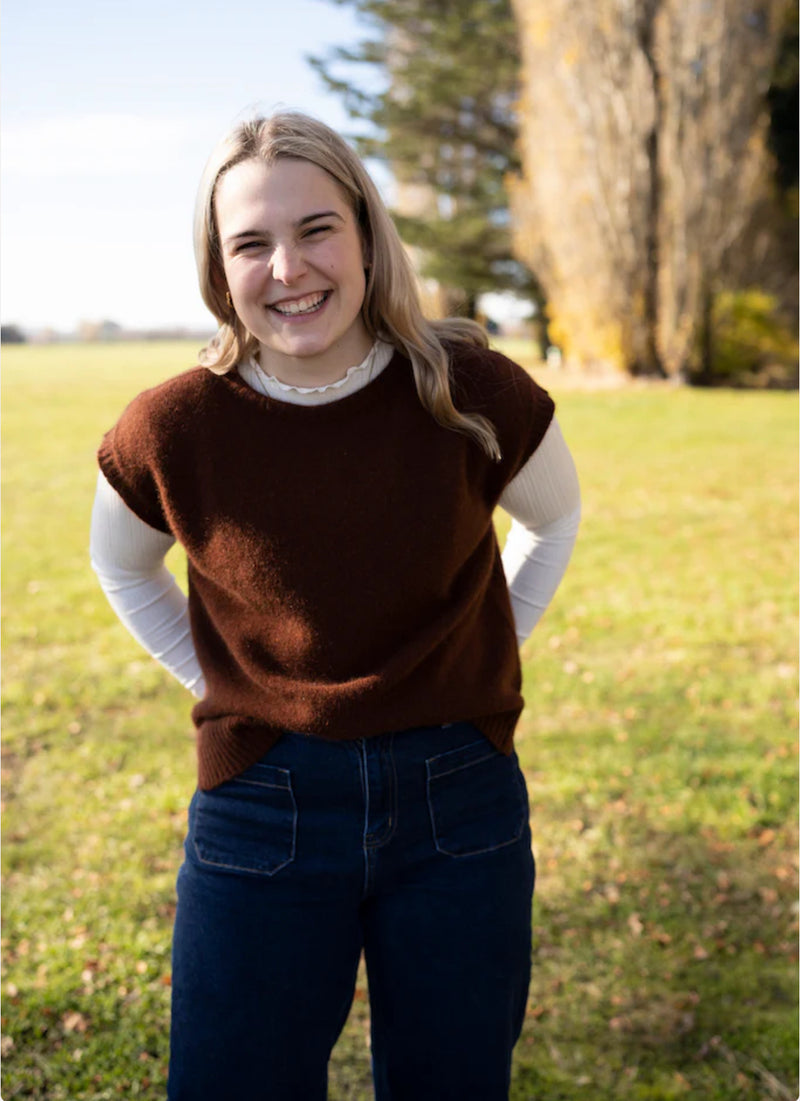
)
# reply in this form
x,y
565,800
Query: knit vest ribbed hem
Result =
x,y
229,747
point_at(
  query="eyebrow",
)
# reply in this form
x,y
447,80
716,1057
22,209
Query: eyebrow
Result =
x,y
298,224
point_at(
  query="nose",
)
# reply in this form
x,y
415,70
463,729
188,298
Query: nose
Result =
x,y
287,263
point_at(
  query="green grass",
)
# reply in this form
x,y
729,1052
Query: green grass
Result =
x,y
658,742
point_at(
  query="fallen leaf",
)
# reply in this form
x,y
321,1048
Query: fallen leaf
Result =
x,y
74,1022
635,925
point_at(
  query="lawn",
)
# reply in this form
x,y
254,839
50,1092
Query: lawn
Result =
x,y
658,741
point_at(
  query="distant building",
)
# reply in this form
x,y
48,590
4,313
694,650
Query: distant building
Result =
x,y
99,330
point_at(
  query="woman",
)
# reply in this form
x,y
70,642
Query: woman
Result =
x,y
332,469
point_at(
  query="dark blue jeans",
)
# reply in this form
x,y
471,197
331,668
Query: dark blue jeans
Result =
x,y
413,847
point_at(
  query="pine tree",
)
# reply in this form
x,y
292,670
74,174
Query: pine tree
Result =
x,y
444,123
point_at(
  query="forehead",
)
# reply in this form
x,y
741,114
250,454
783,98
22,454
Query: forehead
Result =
x,y
283,191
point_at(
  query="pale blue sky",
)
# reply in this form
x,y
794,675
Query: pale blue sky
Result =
x,y
110,108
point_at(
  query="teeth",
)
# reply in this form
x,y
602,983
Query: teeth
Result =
x,y
302,305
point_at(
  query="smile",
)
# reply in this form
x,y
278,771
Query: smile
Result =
x,y
302,306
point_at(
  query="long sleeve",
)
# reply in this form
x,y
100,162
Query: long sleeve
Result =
x,y
128,557
543,500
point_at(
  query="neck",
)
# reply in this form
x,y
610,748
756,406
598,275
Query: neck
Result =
x,y
315,370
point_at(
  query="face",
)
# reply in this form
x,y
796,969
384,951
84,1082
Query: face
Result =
x,y
294,262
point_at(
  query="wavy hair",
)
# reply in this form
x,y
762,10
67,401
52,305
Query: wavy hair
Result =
x,y
391,308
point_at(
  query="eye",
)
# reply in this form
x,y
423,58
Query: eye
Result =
x,y
317,229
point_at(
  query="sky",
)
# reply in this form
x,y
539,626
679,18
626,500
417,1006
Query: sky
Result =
x,y
110,110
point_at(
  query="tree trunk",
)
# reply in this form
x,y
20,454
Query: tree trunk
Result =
x,y
643,146
706,376
653,364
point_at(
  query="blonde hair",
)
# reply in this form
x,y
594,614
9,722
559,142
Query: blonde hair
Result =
x,y
391,308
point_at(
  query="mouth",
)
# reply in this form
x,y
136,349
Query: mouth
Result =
x,y
301,307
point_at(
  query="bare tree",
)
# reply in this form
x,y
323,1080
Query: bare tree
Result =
x,y
643,144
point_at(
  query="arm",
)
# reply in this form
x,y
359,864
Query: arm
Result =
x,y
128,557
544,502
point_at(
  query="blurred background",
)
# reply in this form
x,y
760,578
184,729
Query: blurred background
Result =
x,y
616,181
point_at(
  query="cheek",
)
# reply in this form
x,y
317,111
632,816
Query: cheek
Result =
x,y
244,280
330,261
352,273
346,267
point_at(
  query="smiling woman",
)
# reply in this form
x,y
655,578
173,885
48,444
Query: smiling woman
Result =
x,y
295,264
351,635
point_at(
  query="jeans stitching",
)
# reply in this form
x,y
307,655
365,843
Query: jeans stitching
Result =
x,y
522,791
459,768
260,871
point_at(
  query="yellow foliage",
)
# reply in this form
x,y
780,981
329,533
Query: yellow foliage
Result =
x,y
749,333
584,338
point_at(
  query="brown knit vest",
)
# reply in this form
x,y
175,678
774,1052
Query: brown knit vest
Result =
x,y
344,575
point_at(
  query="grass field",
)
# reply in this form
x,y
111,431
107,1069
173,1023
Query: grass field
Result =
x,y
659,744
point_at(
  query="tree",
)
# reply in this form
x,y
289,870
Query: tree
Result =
x,y
644,151
12,334
444,122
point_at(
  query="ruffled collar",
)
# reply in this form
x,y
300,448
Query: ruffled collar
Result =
x,y
354,379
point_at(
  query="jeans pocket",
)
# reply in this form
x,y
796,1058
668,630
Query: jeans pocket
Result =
x,y
477,799
247,825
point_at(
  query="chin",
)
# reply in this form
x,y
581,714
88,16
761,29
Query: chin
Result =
x,y
306,351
